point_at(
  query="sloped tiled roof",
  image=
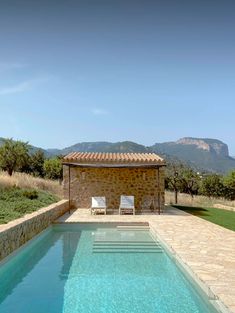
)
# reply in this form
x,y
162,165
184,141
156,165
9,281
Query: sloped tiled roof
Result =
x,y
113,158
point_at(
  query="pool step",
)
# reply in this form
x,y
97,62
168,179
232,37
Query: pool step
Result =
x,y
126,243
134,227
126,247
122,251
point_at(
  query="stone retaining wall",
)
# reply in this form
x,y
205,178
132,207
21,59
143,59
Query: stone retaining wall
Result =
x,y
16,233
224,207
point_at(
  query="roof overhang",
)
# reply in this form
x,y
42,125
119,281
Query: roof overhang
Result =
x,y
113,160
99,165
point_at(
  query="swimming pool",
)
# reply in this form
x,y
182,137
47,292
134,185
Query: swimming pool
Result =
x,y
96,268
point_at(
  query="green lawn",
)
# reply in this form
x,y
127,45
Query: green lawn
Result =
x,y
16,202
220,217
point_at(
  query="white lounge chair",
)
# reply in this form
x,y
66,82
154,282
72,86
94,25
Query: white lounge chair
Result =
x,y
127,205
98,204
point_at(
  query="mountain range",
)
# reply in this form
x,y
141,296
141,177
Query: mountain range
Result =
x,y
203,154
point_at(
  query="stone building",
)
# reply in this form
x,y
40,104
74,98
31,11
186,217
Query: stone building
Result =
x,y
114,174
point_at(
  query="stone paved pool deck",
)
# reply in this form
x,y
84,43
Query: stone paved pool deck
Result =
x,y
206,250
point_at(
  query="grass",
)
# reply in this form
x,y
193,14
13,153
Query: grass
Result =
x,y
22,194
16,202
220,217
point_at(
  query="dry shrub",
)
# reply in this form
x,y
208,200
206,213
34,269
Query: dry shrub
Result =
x,y
23,180
200,201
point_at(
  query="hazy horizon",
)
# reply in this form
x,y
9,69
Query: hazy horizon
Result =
x,y
105,70
125,140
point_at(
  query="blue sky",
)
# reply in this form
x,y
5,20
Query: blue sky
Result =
x,y
95,70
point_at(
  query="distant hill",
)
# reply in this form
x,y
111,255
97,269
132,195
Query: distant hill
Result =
x,y
200,153
103,146
209,154
203,154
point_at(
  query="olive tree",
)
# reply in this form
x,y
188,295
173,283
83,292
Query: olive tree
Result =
x,y
13,155
174,178
53,168
37,163
212,186
229,182
190,182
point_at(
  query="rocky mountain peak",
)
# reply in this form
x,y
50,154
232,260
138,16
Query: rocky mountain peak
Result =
x,y
210,145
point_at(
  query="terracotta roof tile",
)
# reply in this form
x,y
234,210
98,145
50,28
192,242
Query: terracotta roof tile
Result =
x,y
113,158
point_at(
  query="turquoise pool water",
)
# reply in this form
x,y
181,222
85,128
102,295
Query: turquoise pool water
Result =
x,y
91,269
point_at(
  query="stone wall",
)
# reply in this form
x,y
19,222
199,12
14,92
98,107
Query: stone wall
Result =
x,y
224,207
112,183
16,233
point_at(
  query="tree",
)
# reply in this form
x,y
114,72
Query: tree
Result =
x,y
229,182
181,178
189,182
212,186
174,178
37,163
53,168
13,155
